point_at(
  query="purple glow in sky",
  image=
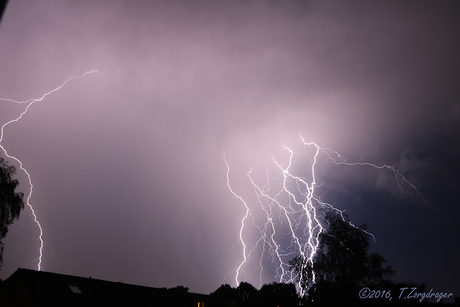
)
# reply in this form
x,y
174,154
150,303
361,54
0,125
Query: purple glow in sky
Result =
x,y
128,170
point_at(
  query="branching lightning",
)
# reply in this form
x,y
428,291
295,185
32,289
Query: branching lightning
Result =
x,y
285,207
28,104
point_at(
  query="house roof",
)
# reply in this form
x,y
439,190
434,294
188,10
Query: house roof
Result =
x,y
51,289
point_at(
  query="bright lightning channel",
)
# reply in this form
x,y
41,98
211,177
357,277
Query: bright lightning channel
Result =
x,y
292,211
28,104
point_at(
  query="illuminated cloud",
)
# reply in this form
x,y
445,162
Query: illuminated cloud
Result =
x,y
128,165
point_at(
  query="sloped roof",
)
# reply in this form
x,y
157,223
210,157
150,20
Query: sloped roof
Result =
x,y
51,289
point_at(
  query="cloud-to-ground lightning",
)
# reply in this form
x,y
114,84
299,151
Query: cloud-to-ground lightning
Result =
x,y
287,210
28,104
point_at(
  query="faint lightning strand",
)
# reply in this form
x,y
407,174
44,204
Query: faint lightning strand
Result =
x,y
29,103
400,178
242,222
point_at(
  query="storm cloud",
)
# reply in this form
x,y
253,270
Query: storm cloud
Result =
x,y
127,164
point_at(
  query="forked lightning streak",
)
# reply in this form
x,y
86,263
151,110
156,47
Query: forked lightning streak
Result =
x,y
28,104
286,211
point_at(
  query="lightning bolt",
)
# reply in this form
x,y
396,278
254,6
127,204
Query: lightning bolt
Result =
x,y
285,207
28,104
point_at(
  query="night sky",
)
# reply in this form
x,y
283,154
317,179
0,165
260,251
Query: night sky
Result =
x,y
130,181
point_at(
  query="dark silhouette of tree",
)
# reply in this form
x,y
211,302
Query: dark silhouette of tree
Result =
x,y
342,265
176,296
304,270
11,202
278,294
179,290
270,295
247,294
224,294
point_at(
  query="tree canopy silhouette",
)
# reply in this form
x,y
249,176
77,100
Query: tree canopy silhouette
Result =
x,y
342,265
270,295
278,294
11,202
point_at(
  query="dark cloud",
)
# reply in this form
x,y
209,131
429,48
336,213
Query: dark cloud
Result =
x,y
128,164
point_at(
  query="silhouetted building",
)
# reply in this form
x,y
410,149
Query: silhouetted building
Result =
x,y
30,288
39,289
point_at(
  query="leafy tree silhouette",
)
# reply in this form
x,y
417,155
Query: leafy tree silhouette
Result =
x,y
342,265
11,202
223,295
270,295
278,294
247,294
